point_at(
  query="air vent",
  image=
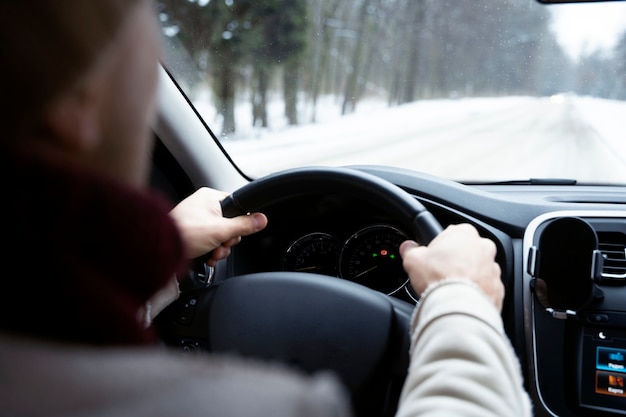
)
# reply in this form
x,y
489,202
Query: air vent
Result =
x,y
613,248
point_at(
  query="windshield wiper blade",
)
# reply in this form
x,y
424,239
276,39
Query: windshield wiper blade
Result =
x,y
537,181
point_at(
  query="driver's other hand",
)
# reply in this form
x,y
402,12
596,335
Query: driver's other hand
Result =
x,y
457,252
204,229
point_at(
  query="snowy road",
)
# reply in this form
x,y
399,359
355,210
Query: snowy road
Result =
x,y
473,139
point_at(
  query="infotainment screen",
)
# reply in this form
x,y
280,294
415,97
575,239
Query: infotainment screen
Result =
x,y
602,369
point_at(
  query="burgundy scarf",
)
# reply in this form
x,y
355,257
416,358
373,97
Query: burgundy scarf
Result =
x,y
80,255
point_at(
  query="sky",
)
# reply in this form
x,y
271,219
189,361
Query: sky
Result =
x,y
585,27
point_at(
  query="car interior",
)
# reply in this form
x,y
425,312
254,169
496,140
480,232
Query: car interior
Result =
x,y
322,287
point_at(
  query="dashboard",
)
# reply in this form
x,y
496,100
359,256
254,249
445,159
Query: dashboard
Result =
x,y
573,350
561,249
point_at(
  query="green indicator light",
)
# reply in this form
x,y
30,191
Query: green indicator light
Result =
x,y
392,256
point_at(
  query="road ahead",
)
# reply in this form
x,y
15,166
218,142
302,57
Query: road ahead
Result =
x,y
478,139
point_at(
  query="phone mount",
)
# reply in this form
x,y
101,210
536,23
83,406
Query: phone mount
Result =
x,y
564,265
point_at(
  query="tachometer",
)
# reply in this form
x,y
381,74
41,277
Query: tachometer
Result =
x,y
316,253
371,257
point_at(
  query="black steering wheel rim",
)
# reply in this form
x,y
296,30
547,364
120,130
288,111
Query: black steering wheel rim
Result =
x,y
408,211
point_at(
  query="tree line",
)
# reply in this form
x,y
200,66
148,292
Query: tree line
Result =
x,y
406,50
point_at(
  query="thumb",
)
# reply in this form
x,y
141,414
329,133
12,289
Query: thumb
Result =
x,y
406,246
248,224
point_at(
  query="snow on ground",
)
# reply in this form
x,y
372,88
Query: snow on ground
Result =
x,y
608,119
376,133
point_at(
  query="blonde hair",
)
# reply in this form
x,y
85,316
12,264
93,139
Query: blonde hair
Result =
x,y
46,46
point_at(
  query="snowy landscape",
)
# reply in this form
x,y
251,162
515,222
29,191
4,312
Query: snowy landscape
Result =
x,y
478,139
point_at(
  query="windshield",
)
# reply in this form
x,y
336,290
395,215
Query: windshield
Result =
x,y
470,90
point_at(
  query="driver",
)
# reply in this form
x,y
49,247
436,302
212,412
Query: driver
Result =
x,y
91,253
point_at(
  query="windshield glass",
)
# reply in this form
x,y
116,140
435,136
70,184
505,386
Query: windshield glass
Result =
x,y
470,90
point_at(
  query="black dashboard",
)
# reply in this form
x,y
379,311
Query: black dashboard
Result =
x,y
573,352
561,249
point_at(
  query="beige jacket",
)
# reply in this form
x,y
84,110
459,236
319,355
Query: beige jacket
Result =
x,y
38,379
462,363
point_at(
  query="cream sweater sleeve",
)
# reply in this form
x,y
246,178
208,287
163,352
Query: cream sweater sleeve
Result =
x,y
462,363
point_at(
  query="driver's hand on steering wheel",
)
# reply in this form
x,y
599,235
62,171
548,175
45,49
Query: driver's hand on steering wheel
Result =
x,y
204,229
458,252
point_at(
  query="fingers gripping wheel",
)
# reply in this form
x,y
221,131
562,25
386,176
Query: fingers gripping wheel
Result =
x,y
409,212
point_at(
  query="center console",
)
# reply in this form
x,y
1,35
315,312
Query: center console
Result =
x,y
575,291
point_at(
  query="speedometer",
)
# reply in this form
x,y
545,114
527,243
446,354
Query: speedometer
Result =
x,y
371,257
317,253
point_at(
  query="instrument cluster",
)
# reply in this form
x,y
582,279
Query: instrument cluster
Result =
x,y
370,257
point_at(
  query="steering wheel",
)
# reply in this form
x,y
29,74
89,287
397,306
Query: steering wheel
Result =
x,y
310,321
